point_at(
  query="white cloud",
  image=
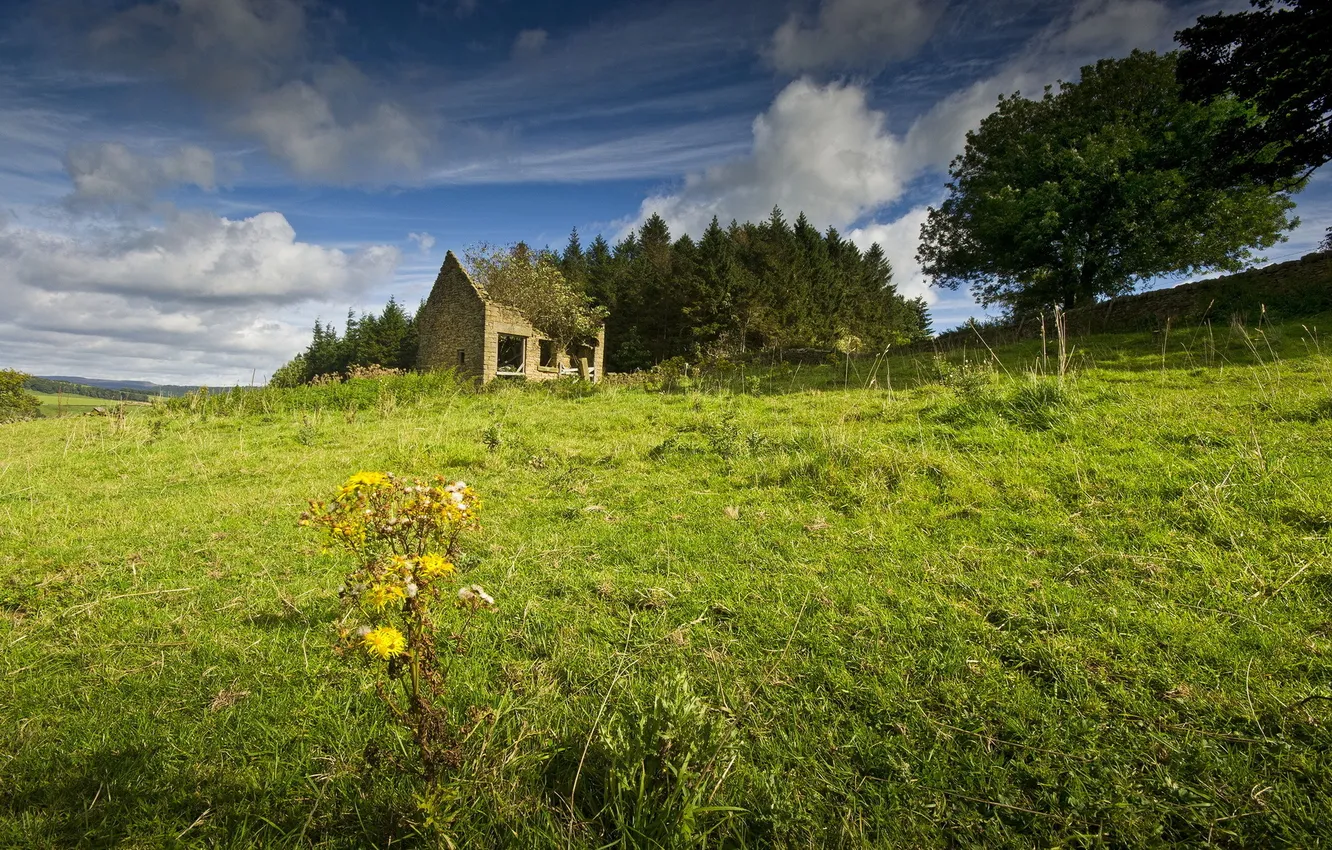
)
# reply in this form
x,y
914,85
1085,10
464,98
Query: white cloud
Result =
x,y
424,240
299,124
199,294
823,150
529,43
255,61
898,240
109,173
854,35
224,48
819,149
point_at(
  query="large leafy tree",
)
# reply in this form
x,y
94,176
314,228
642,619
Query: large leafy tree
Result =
x,y
1092,189
1276,58
532,283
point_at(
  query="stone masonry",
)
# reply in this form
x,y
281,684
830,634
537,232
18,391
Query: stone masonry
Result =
x,y
459,328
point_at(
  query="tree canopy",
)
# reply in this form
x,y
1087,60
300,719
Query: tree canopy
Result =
x,y
532,283
739,287
387,339
1278,59
15,402
1094,188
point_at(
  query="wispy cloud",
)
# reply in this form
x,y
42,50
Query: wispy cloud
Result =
x,y
853,35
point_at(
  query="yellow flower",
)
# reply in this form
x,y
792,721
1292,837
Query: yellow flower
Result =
x,y
364,481
380,595
432,566
385,642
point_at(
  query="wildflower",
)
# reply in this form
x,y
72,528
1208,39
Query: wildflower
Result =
x,y
385,642
364,481
432,566
475,597
382,594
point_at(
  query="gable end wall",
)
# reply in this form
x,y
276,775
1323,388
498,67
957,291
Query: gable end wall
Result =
x,y
453,319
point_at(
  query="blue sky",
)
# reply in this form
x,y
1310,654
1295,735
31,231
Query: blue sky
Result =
x,y
185,185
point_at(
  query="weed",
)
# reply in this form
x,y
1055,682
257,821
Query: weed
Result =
x,y
403,536
658,766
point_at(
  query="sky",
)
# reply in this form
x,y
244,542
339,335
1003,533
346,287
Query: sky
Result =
x,y
186,185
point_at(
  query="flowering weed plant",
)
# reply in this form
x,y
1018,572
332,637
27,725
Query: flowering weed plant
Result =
x,y
403,537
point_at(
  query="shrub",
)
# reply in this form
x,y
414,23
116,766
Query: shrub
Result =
x,y
15,402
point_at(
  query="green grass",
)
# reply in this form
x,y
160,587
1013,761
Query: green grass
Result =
x,y
67,404
980,609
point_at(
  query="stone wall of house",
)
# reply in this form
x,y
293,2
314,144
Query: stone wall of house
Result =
x,y
453,320
457,318
1300,287
506,320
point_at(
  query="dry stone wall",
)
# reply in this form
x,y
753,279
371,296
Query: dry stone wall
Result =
x,y
1284,290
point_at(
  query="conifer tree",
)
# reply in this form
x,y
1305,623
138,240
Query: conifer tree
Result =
x,y
573,263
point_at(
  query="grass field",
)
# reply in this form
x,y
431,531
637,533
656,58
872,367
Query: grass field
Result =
x,y
980,608
66,404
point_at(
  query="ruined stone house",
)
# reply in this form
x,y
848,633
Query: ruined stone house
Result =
x,y
460,328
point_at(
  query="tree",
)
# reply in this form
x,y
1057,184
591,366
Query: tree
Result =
x,y
1089,191
1278,59
532,284
293,373
16,402
573,262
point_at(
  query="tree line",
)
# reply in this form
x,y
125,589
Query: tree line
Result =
x,y
772,286
46,385
386,339
768,286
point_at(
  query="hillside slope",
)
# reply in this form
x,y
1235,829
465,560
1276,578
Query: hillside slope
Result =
x,y
1279,292
981,608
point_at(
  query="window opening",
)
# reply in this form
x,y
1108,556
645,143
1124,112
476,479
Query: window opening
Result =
x,y
462,357
512,355
547,354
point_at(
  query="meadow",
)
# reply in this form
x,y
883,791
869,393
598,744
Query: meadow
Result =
x,y
964,603
55,405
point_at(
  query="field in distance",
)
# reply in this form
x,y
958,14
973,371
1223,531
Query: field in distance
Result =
x,y
68,404
914,601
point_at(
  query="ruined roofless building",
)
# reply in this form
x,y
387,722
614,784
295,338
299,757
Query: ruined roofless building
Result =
x,y
460,328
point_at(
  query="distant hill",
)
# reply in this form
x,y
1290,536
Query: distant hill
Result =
x,y
143,387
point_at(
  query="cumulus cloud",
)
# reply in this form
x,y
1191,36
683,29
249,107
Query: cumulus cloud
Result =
x,y
198,289
529,43
300,124
108,173
256,62
818,148
849,35
424,240
823,150
898,240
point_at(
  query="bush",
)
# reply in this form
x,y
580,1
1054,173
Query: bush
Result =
x,y
15,402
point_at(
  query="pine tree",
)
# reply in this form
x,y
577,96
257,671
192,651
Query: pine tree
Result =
x,y
573,263
390,335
